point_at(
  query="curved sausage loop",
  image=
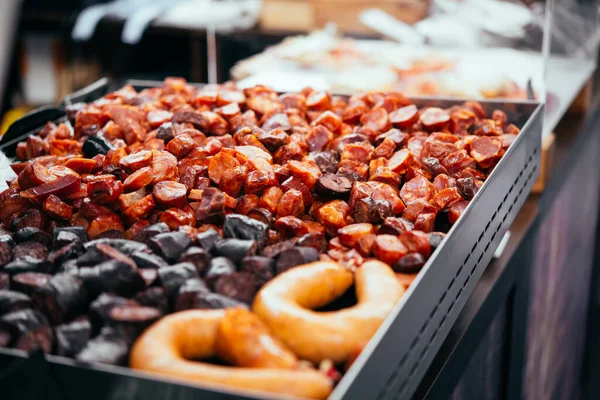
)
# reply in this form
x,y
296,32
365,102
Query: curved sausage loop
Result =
x,y
167,347
286,305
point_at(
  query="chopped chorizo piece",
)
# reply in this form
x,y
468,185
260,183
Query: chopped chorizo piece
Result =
x,y
389,249
458,161
126,200
361,152
349,235
104,189
306,171
353,170
434,119
247,203
290,226
257,157
400,161
377,191
461,121
260,180
164,166
417,188
512,129
291,203
486,151
404,117
385,149
270,199
395,226
456,211
177,217
181,145
277,121
467,187
137,160
318,100
425,222
487,127
334,215
158,117
170,194
318,138
376,119
56,208
416,242
104,223
443,181
417,207
81,165
329,120
139,179
507,140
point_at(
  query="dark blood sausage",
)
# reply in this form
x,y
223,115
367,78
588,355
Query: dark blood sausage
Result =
x,y
410,263
208,239
261,268
79,231
33,250
213,301
106,348
28,282
64,238
130,320
4,281
295,256
72,337
31,234
61,298
124,246
242,227
334,186
29,329
154,297
235,249
172,277
6,249
95,145
149,275
26,264
150,231
100,308
188,292
197,256
13,301
148,260
218,266
435,239
240,286
112,276
170,245
65,253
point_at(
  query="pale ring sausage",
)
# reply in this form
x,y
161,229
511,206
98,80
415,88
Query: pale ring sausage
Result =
x,y
167,347
286,305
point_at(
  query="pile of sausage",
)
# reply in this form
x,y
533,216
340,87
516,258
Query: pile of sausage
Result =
x,y
219,201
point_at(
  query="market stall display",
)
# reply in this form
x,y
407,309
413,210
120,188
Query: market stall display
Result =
x,y
143,203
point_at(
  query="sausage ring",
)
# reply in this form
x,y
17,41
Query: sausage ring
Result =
x,y
168,346
286,304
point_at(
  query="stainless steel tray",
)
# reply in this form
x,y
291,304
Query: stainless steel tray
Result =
x,y
397,357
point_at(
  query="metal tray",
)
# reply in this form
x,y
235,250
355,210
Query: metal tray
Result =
x,y
397,357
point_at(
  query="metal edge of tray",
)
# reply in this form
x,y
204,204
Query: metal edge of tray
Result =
x,y
395,359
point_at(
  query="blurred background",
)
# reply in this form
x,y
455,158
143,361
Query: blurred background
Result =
x,y
446,48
